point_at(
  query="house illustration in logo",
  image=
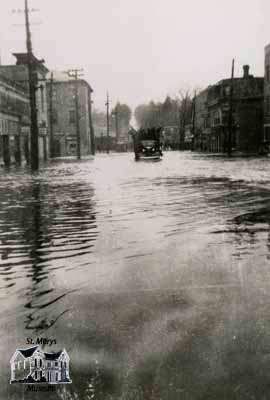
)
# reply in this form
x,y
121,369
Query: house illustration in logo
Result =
x,y
32,365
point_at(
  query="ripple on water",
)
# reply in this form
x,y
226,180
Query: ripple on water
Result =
x,y
122,245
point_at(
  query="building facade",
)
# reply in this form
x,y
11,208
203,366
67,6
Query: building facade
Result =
x,y
171,137
18,74
212,108
202,126
61,104
14,122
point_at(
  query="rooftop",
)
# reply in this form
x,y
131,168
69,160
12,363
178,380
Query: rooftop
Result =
x,y
22,59
28,352
72,81
52,356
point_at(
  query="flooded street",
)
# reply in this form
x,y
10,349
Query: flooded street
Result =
x,y
155,277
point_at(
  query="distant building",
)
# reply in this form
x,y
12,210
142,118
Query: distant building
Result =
x,y
119,138
171,137
101,139
212,112
202,125
14,122
124,141
18,74
188,137
62,119
32,365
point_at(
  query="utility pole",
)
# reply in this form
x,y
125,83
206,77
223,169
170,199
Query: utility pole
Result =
x,y
194,119
34,158
92,133
230,118
107,104
51,116
183,123
75,74
116,114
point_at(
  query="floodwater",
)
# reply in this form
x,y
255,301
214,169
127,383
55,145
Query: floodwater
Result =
x,y
155,277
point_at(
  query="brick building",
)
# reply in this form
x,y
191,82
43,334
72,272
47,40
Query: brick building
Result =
x,y
18,74
62,117
14,122
212,111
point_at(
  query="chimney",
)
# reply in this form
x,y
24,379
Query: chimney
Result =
x,y
246,71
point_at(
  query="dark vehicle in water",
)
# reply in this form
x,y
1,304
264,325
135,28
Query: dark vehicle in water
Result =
x,y
147,144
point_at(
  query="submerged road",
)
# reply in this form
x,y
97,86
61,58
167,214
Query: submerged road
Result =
x,y
155,277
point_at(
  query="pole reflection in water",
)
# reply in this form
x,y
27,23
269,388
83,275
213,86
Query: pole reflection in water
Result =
x,y
56,234
37,236
49,225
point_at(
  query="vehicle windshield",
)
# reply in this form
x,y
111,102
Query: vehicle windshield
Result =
x,y
148,143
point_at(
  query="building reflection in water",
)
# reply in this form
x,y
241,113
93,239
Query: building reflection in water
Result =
x,y
63,221
49,224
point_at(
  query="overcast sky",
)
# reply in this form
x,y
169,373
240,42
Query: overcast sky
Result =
x,y
142,49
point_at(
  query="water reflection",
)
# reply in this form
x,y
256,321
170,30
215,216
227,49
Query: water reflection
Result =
x,y
48,224
173,257
248,226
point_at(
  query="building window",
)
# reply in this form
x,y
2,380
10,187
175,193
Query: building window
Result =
x,y
267,73
49,364
54,116
227,90
35,362
72,117
36,375
56,363
216,118
56,376
40,362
